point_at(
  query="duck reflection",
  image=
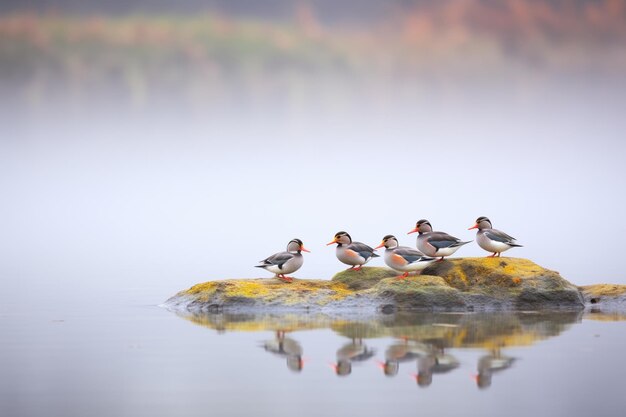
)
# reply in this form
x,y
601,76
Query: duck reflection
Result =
x,y
404,350
355,351
489,364
286,347
436,361
429,357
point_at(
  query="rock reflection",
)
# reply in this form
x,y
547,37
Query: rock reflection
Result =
x,y
286,347
430,342
355,351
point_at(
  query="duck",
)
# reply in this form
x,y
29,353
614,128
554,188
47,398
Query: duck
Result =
x,y
352,253
492,240
403,258
287,262
435,244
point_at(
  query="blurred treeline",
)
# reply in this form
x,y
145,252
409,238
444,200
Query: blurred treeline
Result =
x,y
211,56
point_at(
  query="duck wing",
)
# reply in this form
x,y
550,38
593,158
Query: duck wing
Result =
x,y
362,249
500,236
277,259
409,254
442,240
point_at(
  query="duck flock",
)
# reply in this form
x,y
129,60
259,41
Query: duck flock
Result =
x,y
431,246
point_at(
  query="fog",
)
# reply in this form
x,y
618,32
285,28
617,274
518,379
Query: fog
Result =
x,y
102,190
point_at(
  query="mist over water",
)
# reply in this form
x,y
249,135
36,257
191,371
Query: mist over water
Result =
x,y
170,199
147,152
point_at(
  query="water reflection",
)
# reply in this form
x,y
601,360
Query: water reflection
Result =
x,y
427,346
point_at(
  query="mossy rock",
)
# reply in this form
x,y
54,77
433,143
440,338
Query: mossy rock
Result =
x,y
510,273
605,296
462,284
423,292
251,294
365,278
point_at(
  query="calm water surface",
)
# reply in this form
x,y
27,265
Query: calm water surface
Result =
x,y
130,358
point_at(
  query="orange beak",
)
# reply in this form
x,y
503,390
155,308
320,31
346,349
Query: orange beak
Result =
x,y
474,227
413,231
330,243
380,246
303,249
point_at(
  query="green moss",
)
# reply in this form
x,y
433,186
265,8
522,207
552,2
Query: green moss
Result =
x,y
367,277
412,283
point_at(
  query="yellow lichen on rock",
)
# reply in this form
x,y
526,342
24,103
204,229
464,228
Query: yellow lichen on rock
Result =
x,y
468,273
605,296
272,290
606,290
202,287
246,288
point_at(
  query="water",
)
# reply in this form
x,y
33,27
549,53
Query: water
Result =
x,y
118,355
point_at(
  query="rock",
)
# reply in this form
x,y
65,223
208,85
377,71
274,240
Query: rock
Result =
x,y
249,295
605,297
420,293
461,284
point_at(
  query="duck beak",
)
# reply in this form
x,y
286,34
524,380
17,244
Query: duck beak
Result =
x,y
474,227
413,231
330,243
303,249
380,246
